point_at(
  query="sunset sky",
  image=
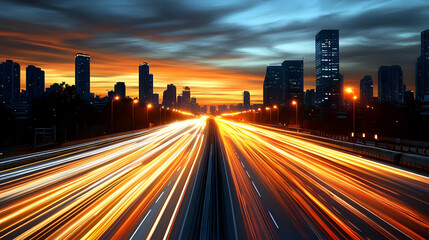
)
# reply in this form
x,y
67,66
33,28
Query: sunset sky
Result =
x,y
218,48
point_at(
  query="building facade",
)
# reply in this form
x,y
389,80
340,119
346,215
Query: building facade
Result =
x,y
145,84
10,82
82,75
422,67
274,85
246,99
294,80
169,96
120,89
366,90
390,84
329,87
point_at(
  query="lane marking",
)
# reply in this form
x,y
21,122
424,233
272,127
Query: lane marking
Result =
x,y
247,173
178,169
242,165
271,215
147,214
256,189
159,197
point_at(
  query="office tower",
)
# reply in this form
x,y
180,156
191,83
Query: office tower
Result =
x,y
179,101
10,82
366,90
222,108
212,109
422,67
309,99
120,89
204,109
145,84
155,99
82,75
186,94
294,80
169,96
328,81
274,85
246,99
35,83
390,84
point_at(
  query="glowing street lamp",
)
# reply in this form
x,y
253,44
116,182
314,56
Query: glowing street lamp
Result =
x,y
269,109
350,90
111,112
296,112
277,109
147,113
135,101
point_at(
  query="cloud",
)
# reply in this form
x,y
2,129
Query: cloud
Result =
x,y
217,46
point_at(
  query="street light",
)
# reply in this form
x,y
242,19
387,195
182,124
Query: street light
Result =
x,y
350,90
135,101
296,112
269,109
111,112
160,117
275,107
147,113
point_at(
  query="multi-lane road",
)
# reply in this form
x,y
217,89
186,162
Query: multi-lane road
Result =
x,y
209,179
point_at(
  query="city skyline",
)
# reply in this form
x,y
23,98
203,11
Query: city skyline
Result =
x,y
222,72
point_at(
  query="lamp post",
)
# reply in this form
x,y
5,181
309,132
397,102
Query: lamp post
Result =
x,y
277,109
111,113
160,112
259,109
254,115
296,113
135,101
350,90
147,113
269,109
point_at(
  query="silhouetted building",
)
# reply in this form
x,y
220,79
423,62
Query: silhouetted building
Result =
x,y
294,80
409,97
155,99
390,84
186,98
111,95
329,87
309,99
366,90
145,84
10,82
422,67
82,75
212,109
120,89
35,83
204,109
222,108
179,101
274,85
53,89
246,99
169,96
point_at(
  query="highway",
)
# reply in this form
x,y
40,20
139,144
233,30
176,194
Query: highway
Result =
x,y
287,187
209,179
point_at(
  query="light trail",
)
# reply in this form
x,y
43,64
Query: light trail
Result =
x,y
103,192
324,193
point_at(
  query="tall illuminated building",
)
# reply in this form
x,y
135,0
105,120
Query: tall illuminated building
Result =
x,y
246,100
422,67
82,75
294,79
120,89
10,82
329,87
274,85
169,96
390,84
145,84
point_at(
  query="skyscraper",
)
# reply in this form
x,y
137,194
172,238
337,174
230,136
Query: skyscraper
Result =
x,y
186,97
274,85
246,99
310,99
169,96
390,84
328,83
366,90
35,82
155,99
294,79
82,75
120,89
10,82
422,67
145,84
